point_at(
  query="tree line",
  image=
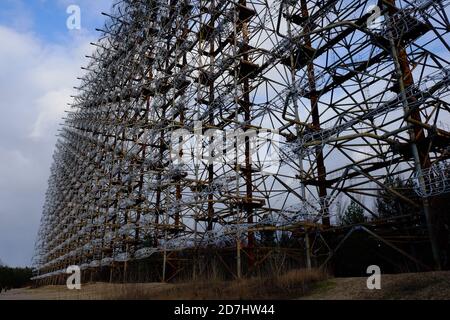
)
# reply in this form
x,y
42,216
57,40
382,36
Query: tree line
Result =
x,y
11,278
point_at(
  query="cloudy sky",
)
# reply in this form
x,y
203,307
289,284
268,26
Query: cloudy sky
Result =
x,y
40,59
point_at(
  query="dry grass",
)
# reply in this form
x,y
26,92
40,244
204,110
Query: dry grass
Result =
x,y
292,284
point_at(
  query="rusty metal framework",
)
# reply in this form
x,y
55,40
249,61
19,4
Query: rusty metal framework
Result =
x,y
355,94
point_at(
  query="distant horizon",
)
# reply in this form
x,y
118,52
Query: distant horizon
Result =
x,y
3,264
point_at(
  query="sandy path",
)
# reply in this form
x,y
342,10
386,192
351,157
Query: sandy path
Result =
x,y
425,285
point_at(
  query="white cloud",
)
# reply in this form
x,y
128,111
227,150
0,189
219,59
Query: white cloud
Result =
x,y
51,109
36,81
17,13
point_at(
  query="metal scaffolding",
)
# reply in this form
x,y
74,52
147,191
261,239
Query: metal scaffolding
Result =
x,y
339,100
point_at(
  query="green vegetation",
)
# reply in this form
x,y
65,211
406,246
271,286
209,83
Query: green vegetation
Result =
x,y
389,204
354,214
14,277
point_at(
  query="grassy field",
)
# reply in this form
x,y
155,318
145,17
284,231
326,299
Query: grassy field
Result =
x,y
297,284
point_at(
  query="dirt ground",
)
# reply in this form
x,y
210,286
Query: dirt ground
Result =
x,y
410,286
429,285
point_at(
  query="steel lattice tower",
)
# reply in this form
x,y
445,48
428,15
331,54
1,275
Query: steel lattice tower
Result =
x,y
356,94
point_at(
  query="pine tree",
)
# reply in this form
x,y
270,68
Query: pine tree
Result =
x,y
390,205
354,214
